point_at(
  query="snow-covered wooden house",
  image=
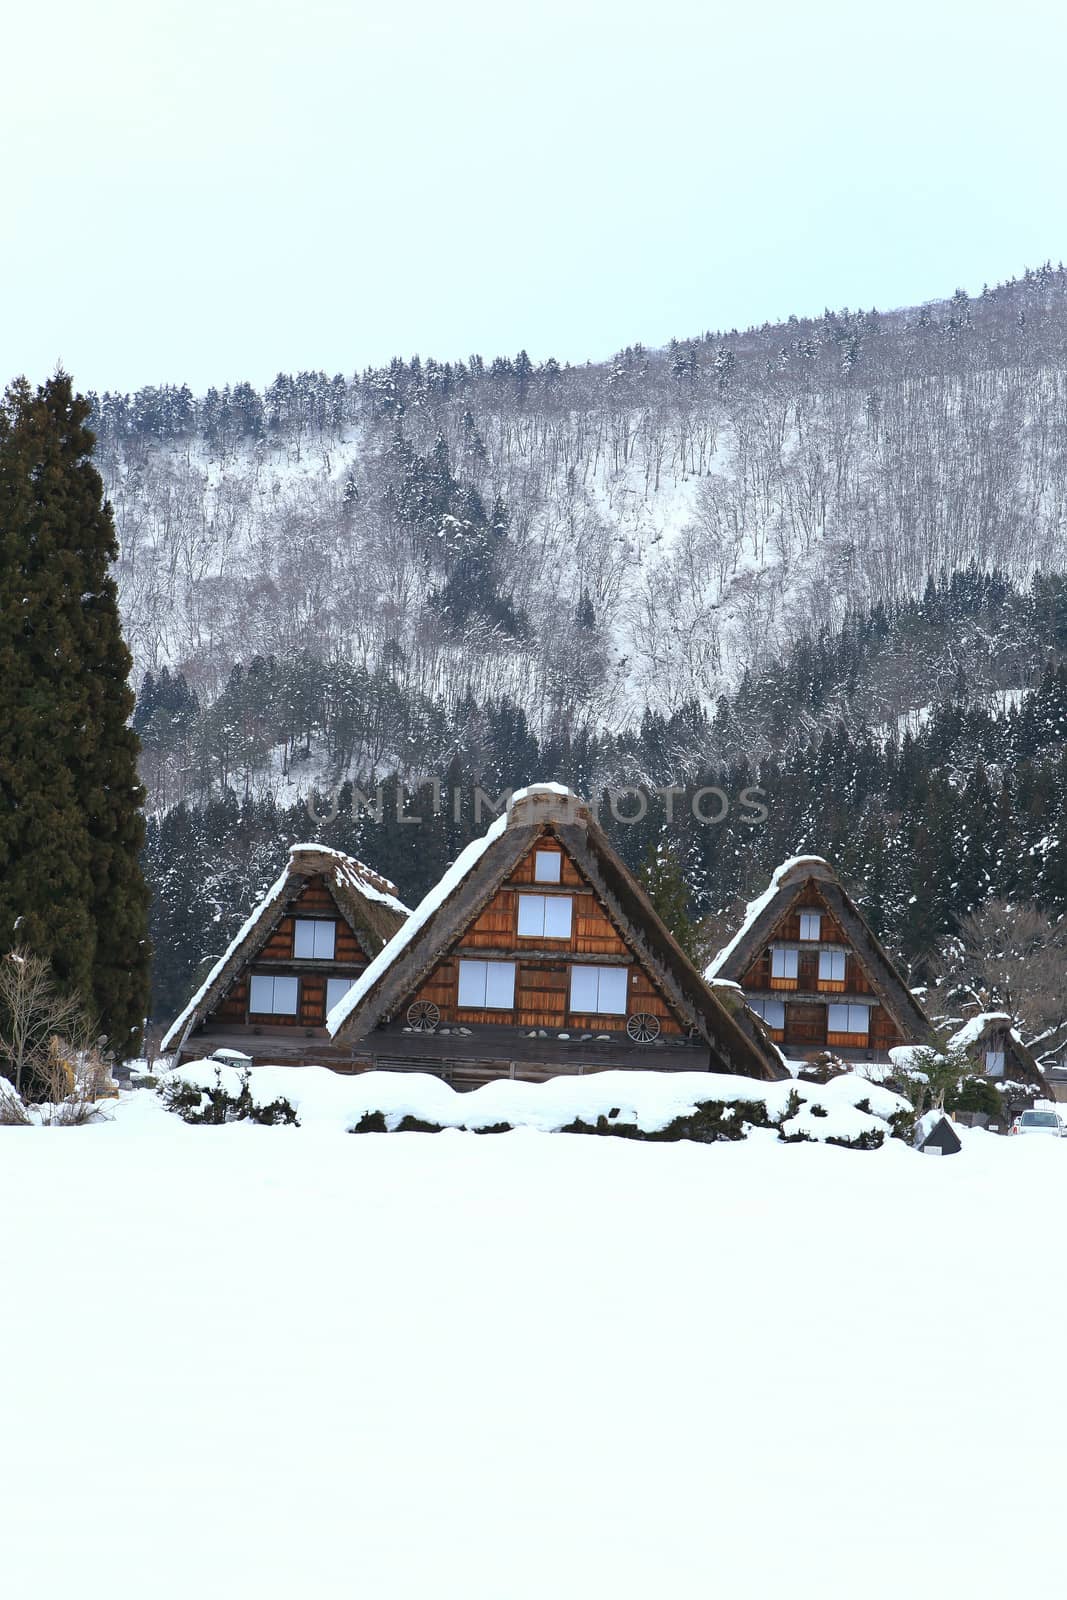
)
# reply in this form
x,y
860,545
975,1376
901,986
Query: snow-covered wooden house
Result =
x,y
299,952
811,967
995,1046
539,954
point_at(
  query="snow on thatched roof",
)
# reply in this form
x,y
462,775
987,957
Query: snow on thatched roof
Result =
x,y
975,1028
452,904
442,891
368,901
795,866
764,913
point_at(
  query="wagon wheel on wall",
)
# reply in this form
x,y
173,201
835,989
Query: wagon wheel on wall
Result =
x,y
642,1027
423,1016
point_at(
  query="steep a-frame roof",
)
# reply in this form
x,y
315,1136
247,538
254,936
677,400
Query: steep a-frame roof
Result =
x,y
775,903
737,1043
975,1032
367,901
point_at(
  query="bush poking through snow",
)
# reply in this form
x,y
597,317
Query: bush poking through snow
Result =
x,y
214,1104
976,1094
13,1114
708,1122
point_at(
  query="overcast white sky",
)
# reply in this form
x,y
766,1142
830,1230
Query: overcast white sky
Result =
x,y
209,190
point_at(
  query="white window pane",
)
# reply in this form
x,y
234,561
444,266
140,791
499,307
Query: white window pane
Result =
x,y
994,1063
325,939
547,865
557,917
500,985
584,989
859,1019
532,916
774,1013
286,996
304,938
783,963
832,965
613,991
472,983
837,1019
262,995
336,989
810,922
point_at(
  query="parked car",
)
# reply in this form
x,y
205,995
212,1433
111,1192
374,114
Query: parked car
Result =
x,y
1047,1122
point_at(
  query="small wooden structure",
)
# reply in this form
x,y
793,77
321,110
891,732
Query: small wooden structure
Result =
x,y
811,966
305,944
995,1046
539,954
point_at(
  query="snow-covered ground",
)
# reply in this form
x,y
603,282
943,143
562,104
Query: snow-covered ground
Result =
x,y
248,1361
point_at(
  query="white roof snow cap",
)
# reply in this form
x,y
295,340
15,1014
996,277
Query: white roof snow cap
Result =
x,y
538,802
794,867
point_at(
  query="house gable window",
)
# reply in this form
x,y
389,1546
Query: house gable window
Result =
x,y
810,924
831,966
487,985
772,1012
548,865
273,997
852,1020
994,1063
544,916
783,963
599,991
336,989
314,940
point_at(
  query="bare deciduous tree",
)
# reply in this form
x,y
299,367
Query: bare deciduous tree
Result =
x,y
33,1010
1010,957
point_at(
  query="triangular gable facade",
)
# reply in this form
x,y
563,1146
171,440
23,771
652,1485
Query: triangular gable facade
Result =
x,y
997,1050
308,940
537,954
812,968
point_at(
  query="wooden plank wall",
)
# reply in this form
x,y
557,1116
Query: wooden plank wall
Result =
x,y
314,900
542,986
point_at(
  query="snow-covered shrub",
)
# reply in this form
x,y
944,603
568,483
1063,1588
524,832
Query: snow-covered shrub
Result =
x,y
13,1114
214,1104
822,1067
976,1094
710,1122
653,1107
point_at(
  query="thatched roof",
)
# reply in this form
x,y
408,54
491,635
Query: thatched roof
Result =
x,y
775,903
367,902
976,1032
737,1042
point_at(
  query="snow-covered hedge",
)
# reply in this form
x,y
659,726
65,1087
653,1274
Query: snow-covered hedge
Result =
x,y
848,1110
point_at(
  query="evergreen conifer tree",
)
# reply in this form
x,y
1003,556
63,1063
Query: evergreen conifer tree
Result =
x,y
71,826
665,885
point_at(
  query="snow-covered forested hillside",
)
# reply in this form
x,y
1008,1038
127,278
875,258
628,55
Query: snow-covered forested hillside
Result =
x,y
762,557
589,541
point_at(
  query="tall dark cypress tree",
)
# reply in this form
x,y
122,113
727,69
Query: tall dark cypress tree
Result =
x,y
71,826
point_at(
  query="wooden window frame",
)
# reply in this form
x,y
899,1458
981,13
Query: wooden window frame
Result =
x,y
600,969
555,856
315,923
849,1037
273,979
524,897
484,1004
785,980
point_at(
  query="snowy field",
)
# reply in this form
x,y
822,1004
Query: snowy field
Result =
x,y
248,1361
